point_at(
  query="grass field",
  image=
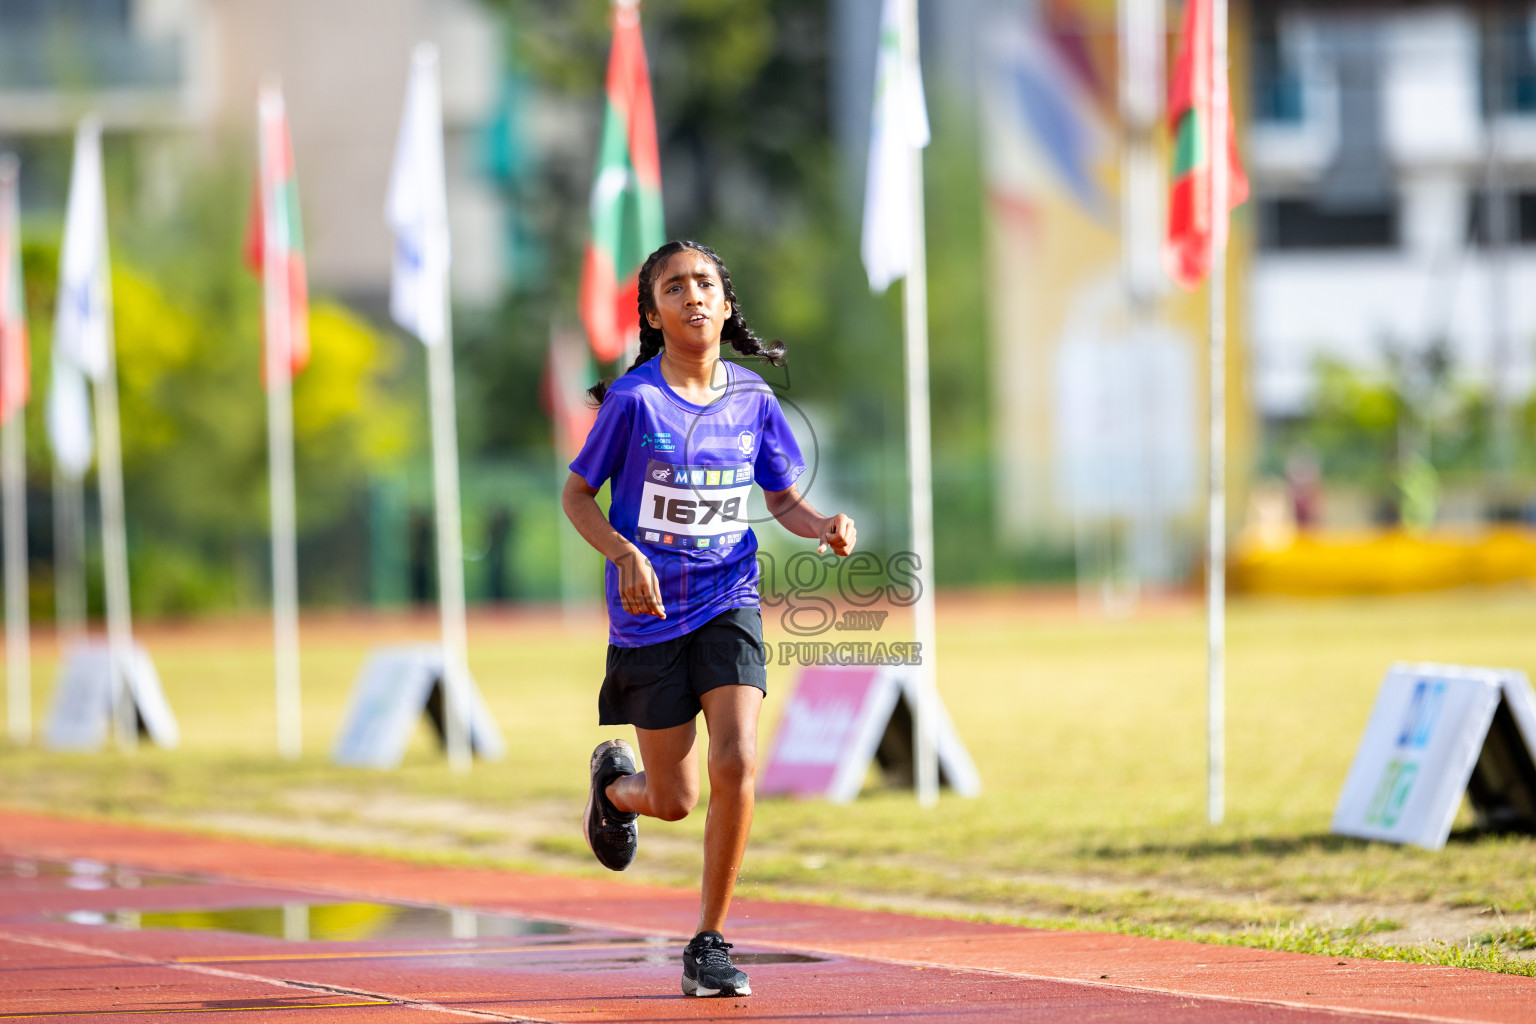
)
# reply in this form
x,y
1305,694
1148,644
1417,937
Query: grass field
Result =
x,y
1088,733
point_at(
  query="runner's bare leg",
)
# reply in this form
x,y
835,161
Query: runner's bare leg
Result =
x,y
669,787
731,714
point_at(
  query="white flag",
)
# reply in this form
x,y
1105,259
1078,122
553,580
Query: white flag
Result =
x,y
417,207
898,125
80,321
69,417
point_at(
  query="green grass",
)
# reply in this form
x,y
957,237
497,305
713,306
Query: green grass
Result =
x,y
1089,736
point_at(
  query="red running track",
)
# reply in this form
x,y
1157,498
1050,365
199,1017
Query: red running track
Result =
x,y
108,922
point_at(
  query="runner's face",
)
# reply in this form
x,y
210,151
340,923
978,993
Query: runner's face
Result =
x,y
690,303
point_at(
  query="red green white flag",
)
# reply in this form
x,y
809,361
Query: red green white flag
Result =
x,y
15,360
627,222
274,244
1191,94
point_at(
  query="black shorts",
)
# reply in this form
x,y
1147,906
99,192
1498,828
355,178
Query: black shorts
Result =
x,y
658,686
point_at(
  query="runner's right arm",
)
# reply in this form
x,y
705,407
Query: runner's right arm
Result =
x,y
639,589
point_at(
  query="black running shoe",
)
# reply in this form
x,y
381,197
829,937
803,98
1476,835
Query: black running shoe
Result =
x,y
611,834
707,968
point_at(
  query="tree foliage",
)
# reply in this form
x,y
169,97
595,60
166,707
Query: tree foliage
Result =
x,y
193,412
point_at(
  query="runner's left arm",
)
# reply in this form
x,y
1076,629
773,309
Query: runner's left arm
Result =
x,y
800,518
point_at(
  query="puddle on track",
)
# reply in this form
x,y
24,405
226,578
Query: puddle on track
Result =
x,y
83,874
739,959
292,921
329,922
669,958
351,921
662,954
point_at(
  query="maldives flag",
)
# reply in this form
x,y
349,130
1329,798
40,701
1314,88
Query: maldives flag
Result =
x,y
15,361
1191,90
627,221
274,242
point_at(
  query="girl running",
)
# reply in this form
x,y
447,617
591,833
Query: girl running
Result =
x,y
683,435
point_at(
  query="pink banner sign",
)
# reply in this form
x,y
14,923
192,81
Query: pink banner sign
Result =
x,y
819,730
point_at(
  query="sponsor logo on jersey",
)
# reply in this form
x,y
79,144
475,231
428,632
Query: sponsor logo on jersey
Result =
x,y
744,475
712,478
660,441
696,477
744,442
703,542
666,538
652,536
662,473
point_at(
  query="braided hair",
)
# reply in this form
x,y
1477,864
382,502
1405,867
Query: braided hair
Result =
x,y
735,329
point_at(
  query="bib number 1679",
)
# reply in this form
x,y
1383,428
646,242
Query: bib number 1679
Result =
x,y
686,510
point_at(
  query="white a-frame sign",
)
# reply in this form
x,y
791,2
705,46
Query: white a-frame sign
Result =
x,y
1437,732
395,688
840,720
88,686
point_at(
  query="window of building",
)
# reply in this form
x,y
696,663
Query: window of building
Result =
x,y
1274,81
1519,218
1301,224
82,44
1508,62
91,14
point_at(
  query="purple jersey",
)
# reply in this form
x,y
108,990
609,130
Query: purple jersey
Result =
x,y
681,474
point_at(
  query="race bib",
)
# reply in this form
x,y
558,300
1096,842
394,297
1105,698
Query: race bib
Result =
x,y
698,507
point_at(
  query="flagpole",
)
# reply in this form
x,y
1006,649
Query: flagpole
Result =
x,y
18,652
68,556
279,372
1216,555
919,454
416,210
450,542
13,478
114,543
68,405
285,570
85,308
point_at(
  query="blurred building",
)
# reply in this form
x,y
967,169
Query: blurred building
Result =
x,y
1391,146
175,78
1393,153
